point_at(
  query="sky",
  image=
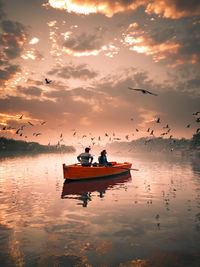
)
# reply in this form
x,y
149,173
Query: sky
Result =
x,y
92,51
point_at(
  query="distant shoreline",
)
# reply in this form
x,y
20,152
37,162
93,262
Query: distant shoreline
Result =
x,y
11,148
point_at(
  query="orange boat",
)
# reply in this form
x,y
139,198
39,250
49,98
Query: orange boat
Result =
x,y
77,172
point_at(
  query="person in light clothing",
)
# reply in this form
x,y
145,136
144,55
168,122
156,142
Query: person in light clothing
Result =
x,y
85,158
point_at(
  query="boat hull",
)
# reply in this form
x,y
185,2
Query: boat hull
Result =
x,y
77,172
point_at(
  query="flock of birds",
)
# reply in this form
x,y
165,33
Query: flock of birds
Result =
x,y
98,139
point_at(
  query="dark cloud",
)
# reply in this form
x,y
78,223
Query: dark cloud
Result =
x,y
31,90
43,108
8,72
2,13
58,94
168,42
78,72
83,42
11,27
12,39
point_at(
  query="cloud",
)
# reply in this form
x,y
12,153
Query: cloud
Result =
x,y
82,43
165,41
30,91
70,71
8,73
159,49
106,7
174,9
32,54
12,39
2,13
167,8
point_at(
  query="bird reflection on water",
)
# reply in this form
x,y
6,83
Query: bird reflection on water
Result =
x,y
81,190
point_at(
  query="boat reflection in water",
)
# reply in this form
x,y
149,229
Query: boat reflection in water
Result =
x,y
82,189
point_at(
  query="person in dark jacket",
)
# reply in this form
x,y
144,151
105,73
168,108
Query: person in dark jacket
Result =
x,y
85,158
103,159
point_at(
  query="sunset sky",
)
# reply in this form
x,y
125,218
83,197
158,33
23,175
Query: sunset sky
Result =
x,y
92,51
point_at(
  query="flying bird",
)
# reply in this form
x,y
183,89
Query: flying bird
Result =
x,y
152,132
158,120
42,123
142,91
17,131
47,81
21,117
30,123
137,130
148,130
188,126
167,126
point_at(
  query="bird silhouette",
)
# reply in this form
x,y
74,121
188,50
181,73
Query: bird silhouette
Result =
x,y
142,91
148,130
165,127
137,130
47,81
30,123
188,126
42,123
21,117
198,120
152,132
158,120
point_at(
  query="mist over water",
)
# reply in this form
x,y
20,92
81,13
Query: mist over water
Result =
x,y
150,216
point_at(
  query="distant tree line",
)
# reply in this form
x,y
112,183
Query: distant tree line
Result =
x,y
17,146
158,144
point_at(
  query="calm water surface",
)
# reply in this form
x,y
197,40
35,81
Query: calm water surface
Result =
x,y
148,218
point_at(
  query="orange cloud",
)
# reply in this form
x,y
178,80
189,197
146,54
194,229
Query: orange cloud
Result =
x,y
174,8
32,54
146,45
106,7
167,8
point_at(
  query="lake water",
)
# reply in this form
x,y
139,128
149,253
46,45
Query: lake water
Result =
x,y
148,218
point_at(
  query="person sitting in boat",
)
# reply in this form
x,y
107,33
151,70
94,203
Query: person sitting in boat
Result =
x,y
85,158
103,159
